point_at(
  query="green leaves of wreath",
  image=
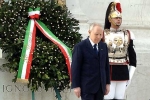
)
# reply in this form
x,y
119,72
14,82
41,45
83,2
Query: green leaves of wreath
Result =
x,y
48,68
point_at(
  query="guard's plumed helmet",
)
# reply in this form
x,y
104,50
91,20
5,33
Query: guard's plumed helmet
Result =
x,y
114,10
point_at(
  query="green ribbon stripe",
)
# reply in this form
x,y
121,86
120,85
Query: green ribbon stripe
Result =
x,y
24,50
51,34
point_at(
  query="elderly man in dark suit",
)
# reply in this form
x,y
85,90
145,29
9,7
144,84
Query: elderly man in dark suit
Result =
x,y
90,66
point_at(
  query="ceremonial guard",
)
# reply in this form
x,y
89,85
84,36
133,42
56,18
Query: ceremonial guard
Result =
x,y
122,56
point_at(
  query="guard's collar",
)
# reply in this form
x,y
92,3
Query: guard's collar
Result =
x,y
115,30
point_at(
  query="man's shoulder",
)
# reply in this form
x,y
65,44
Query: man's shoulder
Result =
x,y
103,43
81,43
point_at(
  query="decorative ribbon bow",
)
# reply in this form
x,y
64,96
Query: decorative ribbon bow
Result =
x,y
34,14
29,45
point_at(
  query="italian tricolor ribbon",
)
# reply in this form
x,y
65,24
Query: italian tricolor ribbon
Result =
x,y
29,45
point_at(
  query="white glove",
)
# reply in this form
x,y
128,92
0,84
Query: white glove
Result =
x,y
131,72
128,83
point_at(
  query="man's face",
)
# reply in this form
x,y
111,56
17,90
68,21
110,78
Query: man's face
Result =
x,y
116,21
96,34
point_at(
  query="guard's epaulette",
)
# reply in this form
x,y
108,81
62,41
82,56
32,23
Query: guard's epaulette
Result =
x,y
127,32
107,31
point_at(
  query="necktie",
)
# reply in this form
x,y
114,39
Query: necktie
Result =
x,y
95,48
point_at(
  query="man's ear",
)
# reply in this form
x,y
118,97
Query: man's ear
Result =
x,y
89,31
110,20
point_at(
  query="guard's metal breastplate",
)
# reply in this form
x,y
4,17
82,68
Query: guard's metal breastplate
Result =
x,y
117,43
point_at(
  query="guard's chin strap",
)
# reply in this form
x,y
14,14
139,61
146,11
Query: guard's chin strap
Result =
x,y
114,23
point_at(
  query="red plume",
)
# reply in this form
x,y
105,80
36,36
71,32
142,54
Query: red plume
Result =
x,y
118,7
